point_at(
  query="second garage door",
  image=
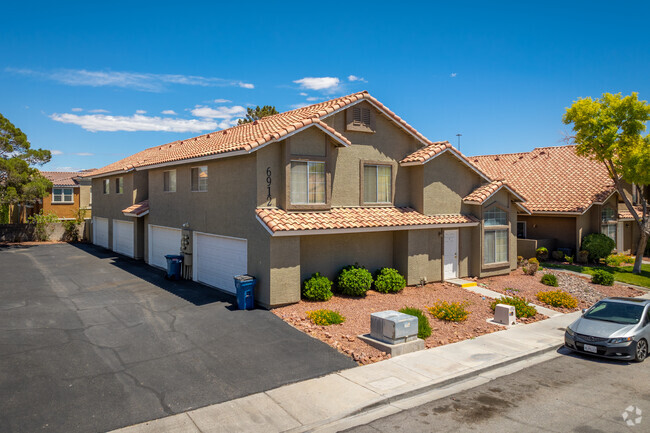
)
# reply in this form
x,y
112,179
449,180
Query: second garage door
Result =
x,y
123,237
218,258
163,241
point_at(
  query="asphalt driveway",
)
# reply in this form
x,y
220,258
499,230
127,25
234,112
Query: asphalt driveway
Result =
x,y
92,341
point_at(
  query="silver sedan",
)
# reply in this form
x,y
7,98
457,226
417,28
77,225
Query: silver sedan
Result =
x,y
614,328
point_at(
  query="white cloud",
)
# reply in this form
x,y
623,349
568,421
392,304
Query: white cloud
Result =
x,y
295,106
146,82
319,83
140,111
66,169
98,110
56,152
77,109
313,98
303,94
170,112
222,101
453,74
137,122
218,112
84,154
355,78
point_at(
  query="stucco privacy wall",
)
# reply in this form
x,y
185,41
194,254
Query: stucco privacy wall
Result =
x,y
135,189
561,229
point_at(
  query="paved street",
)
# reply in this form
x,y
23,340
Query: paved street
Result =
x,y
566,394
91,342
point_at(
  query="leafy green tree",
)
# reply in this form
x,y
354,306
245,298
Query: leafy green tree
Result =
x,y
257,113
19,181
610,130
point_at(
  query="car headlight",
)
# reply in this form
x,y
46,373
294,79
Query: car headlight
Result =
x,y
570,331
621,340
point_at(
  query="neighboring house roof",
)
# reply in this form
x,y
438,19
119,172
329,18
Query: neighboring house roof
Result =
x,y
62,178
137,210
346,219
484,192
248,137
625,214
553,179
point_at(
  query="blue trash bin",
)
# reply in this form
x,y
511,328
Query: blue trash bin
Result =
x,y
174,263
245,285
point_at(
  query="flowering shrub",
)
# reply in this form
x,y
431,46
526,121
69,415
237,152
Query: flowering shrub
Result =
x,y
450,311
325,317
522,307
557,298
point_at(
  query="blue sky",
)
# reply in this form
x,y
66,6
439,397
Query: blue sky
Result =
x,y
95,81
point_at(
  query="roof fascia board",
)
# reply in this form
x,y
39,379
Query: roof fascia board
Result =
x,y
523,208
129,214
495,191
457,155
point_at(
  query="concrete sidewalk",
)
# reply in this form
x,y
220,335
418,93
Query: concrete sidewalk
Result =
x,y
325,403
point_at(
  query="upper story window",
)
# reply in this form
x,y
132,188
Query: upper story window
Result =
x,y
360,119
200,178
169,181
495,236
608,222
62,195
307,182
119,185
377,183
107,186
607,215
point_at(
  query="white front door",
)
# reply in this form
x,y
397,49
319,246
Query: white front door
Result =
x,y
217,259
450,269
123,237
163,241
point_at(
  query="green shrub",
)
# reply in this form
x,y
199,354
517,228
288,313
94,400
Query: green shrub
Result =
x,y
450,311
602,277
325,317
43,225
531,267
4,214
569,259
557,298
583,256
522,307
541,253
558,255
388,280
424,329
520,261
616,260
549,280
354,280
598,245
317,288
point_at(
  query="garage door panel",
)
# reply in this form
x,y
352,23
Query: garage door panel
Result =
x,y
218,259
100,232
123,237
163,241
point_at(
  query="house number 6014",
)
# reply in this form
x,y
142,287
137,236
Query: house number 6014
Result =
x,y
268,185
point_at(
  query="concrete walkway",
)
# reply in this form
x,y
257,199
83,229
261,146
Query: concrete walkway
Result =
x,y
347,398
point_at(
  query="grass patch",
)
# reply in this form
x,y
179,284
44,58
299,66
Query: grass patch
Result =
x,y
622,274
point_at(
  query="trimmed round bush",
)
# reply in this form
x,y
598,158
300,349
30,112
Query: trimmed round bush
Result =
x,y
317,288
541,253
354,281
549,280
424,328
602,277
531,267
388,280
598,245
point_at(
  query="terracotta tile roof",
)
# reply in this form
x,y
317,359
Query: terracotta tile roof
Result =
x,y
625,214
483,192
62,178
251,135
278,220
137,210
553,179
426,153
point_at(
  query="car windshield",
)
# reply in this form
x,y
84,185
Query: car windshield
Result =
x,y
617,312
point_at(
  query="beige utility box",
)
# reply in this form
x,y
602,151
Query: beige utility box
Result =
x,y
505,314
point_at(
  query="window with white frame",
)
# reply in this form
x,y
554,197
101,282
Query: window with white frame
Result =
x,y
200,178
307,182
169,181
107,186
119,185
377,183
608,222
62,195
495,237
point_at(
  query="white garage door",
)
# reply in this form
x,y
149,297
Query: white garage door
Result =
x,y
123,237
217,259
100,231
163,241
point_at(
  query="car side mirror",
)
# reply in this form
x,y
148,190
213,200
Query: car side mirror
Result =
x,y
584,310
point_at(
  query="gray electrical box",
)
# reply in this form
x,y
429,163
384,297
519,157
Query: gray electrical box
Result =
x,y
393,327
505,314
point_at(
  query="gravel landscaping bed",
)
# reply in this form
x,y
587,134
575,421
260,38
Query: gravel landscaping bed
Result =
x,y
528,286
357,312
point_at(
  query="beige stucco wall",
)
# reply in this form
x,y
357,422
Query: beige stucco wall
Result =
x,y
85,199
561,229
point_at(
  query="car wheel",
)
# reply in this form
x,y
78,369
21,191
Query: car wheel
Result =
x,y
641,350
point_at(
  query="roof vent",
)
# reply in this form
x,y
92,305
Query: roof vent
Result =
x,y
542,153
496,159
207,136
225,132
255,122
521,157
